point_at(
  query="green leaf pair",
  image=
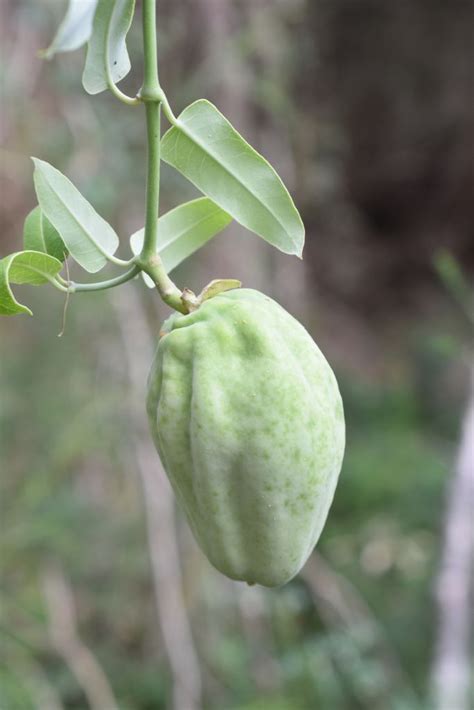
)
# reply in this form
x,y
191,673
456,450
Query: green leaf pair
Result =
x,y
86,235
91,241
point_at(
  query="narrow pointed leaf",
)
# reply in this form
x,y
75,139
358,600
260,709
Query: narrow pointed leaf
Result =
x,y
208,151
184,230
74,30
107,43
218,286
23,267
40,235
89,238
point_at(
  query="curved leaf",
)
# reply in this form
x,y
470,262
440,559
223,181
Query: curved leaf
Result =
x,y
74,30
89,238
184,230
217,286
111,24
40,235
23,267
208,151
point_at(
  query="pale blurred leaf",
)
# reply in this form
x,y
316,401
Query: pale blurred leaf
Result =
x,y
74,30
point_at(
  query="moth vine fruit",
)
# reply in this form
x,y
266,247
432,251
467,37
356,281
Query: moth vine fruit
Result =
x,y
247,418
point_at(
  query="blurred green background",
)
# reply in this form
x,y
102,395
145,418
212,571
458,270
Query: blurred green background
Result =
x,y
105,600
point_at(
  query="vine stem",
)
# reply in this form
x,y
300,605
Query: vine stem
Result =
x,y
128,100
68,286
152,95
103,285
153,122
151,81
149,260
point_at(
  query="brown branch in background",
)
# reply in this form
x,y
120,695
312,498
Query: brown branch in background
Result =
x,y
159,507
59,599
451,666
265,669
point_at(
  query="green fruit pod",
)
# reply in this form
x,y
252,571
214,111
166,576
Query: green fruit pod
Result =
x,y
247,418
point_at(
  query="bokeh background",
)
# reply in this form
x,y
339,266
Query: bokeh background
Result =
x,y
364,107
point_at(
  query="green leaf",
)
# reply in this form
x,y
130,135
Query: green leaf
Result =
x,y
23,267
40,235
107,43
182,231
74,30
207,150
89,238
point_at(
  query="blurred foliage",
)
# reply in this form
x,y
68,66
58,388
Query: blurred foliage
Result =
x,y
69,488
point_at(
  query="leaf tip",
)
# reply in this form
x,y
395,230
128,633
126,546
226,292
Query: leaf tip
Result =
x,y
300,241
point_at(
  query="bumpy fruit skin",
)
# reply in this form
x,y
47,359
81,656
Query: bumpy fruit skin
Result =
x,y
247,418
